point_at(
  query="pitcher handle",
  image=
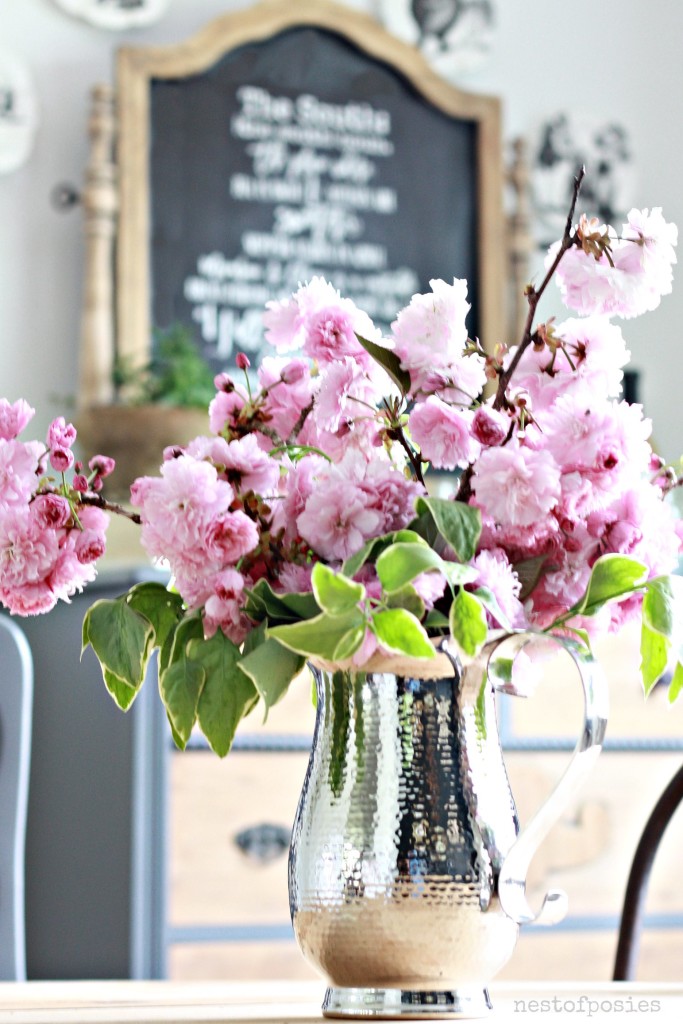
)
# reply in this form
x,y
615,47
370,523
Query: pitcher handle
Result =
x,y
515,865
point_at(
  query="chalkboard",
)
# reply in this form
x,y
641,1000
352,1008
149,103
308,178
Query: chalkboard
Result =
x,y
303,152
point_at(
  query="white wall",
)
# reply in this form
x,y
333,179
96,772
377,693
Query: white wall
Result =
x,y
616,59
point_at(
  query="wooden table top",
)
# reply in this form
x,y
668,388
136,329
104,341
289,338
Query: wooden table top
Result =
x,y
161,1002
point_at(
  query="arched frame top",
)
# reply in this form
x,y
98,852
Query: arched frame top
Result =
x,y
139,67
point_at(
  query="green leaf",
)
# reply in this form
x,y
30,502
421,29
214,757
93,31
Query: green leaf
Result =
x,y
459,524
401,633
162,608
389,361
334,592
228,694
123,694
399,564
528,573
468,623
408,598
436,620
660,604
490,602
325,636
264,603
180,686
189,628
406,537
180,743
612,576
458,574
367,553
350,642
583,635
676,684
373,548
271,668
120,638
654,652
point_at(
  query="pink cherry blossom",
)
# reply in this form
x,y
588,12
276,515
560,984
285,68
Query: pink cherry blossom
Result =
x,y
61,459
320,323
430,587
14,416
294,579
490,426
19,466
224,410
296,486
594,357
443,434
497,574
178,508
51,511
636,278
641,524
224,608
288,389
605,442
230,536
461,382
390,492
345,394
515,485
90,546
248,468
337,520
103,465
430,333
61,434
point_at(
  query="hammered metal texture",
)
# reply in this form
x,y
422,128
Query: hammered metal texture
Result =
x,y
404,820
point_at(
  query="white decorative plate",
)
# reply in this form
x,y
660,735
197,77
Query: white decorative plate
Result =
x,y
115,14
454,35
563,143
18,112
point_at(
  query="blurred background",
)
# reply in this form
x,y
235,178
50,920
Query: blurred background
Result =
x,y
145,862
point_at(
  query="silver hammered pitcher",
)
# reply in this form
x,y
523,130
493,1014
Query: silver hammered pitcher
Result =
x,y
407,868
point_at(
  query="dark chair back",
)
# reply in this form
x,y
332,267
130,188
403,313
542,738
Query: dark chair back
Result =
x,y
636,889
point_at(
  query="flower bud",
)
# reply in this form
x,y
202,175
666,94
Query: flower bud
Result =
x,y
102,465
490,426
223,382
61,459
52,511
61,434
90,546
173,451
294,371
242,361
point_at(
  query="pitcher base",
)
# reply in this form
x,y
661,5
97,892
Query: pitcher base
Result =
x,y
399,1004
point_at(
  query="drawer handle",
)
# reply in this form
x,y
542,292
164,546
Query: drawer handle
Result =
x,y
263,843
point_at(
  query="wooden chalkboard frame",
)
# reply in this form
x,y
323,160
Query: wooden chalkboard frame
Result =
x,y
137,67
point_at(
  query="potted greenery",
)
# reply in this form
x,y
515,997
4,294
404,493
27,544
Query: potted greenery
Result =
x,y
162,403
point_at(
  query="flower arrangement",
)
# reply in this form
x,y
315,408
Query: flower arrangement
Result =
x,y
303,525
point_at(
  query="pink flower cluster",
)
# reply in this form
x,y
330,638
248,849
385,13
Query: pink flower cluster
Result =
x,y
49,540
632,278
577,482
298,472
321,451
